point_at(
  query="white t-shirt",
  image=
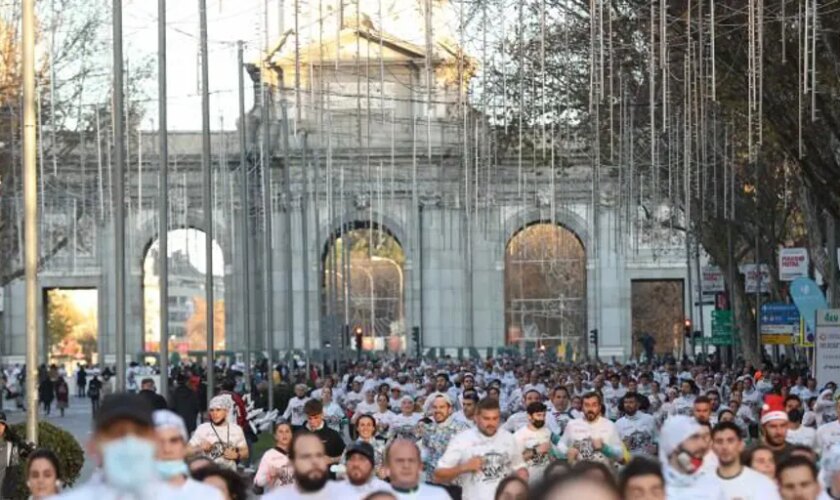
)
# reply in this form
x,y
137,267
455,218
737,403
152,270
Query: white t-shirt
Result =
x,y
580,433
500,459
749,485
423,492
223,436
403,426
803,435
527,439
193,490
827,435
639,433
294,413
516,421
557,420
358,492
333,490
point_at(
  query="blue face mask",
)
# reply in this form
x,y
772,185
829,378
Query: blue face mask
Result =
x,y
129,463
167,469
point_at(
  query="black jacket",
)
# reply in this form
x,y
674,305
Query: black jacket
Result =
x,y
184,401
156,401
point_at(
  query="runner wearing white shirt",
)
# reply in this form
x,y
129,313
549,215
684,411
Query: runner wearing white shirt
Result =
x,y
404,425
636,429
520,419
366,407
738,481
405,469
828,434
171,451
593,438
798,433
480,458
294,410
466,415
534,441
559,411
361,480
311,478
223,441
383,415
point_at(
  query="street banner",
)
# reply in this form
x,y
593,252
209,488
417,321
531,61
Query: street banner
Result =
x,y
751,278
808,299
827,349
779,324
712,280
793,263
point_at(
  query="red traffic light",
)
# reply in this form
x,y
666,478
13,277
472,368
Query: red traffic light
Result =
x,y
688,323
358,331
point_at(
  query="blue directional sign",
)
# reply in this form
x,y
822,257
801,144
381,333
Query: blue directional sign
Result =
x,y
779,323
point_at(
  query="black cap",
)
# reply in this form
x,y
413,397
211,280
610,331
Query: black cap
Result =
x,y
124,406
3,418
362,448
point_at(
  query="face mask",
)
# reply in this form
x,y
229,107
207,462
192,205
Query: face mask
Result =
x,y
167,469
539,423
129,463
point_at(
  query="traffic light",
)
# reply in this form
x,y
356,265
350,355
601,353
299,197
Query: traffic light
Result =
x,y
593,336
415,338
357,332
687,329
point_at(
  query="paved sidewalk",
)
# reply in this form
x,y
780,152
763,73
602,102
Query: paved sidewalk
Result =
x,y
77,420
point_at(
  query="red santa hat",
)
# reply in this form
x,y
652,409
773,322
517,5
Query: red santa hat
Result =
x,y
773,409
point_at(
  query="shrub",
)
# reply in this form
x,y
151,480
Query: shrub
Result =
x,y
70,455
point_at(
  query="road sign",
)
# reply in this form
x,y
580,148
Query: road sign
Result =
x,y
722,328
779,324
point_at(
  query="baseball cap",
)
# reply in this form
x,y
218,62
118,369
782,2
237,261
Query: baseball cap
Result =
x,y
124,406
3,418
362,448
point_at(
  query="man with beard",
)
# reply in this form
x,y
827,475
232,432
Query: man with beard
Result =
x,y
520,419
738,480
534,441
480,458
437,434
681,452
361,480
221,440
702,410
774,426
558,415
402,459
593,438
310,462
636,429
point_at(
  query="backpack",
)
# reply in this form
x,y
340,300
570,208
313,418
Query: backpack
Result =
x,y
93,390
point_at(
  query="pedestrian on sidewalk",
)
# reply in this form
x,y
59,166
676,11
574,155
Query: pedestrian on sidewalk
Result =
x,y
94,390
62,395
46,393
81,381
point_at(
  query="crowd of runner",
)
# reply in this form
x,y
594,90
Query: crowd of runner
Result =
x,y
506,428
